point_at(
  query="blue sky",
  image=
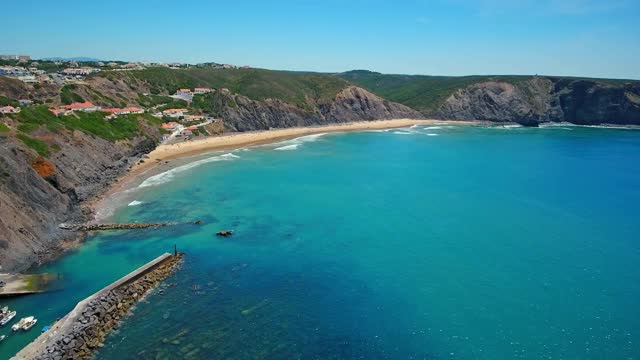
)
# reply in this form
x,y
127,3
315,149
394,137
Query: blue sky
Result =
x,y
439,37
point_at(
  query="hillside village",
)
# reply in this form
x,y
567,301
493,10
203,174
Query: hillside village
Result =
x,y
176,120
28,70
176,124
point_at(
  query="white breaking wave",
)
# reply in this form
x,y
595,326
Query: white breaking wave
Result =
x,y
569,126
135,203
404,132
170,174
432,134
433,127
294,143
288,147
618,127
558,124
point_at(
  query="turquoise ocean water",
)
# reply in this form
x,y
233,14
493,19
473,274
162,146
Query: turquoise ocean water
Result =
x,y
440,242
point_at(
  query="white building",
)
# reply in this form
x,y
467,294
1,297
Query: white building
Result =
x,y
184,92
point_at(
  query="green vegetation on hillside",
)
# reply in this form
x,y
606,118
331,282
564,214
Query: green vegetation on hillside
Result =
x,y
123,127
4,128
257,84
204,103
39,146
4,101
153,100
99,97
174,104
420,92
67,96
28,127
427,93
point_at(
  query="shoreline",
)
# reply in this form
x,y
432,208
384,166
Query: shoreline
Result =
x,y
228,141
237,140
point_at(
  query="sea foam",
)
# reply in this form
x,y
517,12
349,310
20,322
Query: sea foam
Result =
x,y
288,147
170,174
135,203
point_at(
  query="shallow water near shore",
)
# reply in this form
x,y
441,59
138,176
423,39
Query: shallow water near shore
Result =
x,y
430,242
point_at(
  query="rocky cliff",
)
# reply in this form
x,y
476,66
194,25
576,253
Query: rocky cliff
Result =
x,y
539,100
37,194
351,104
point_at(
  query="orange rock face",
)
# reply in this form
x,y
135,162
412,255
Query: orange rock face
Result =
x,y
43,167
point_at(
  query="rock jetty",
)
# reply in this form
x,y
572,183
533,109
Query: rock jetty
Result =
x,y
102,227
81,332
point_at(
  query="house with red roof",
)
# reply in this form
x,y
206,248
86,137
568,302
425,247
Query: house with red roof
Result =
x,y
116,111
58,112
201,90
124,111
9,110
170,125
174,112
134,110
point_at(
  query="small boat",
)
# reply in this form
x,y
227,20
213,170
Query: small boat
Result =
x,y
2,337
20,324
45,329
5,320
30,324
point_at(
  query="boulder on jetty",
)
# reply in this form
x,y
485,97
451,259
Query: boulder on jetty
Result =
x,y
225,233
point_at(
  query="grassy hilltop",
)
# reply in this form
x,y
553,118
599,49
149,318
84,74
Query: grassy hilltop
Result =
x,y
420,92
426,93
296,88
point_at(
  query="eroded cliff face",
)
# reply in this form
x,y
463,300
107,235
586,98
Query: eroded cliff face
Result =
x,y
539,100
587,103
357,104
37,194
351,104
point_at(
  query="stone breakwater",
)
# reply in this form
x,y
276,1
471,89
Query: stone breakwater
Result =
x,y
102,227
83,331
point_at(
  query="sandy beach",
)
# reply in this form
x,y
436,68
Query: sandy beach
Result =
x,y
244,139
230,141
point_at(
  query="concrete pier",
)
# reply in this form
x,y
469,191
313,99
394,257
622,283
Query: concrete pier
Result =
x,y
23,284
83,330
